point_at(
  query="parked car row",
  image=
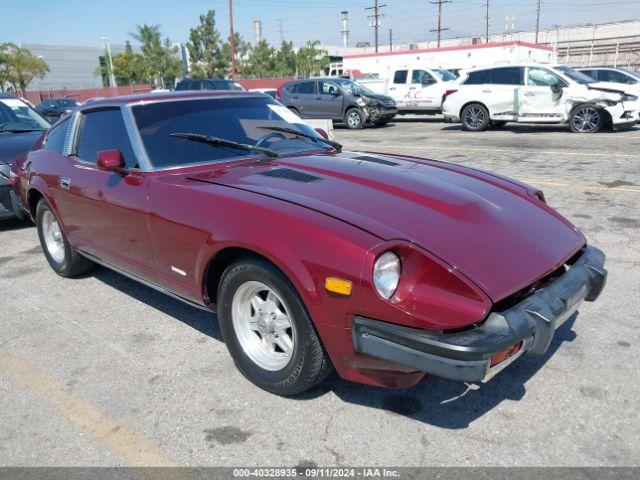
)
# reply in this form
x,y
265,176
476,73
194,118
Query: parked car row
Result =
x,y
314,258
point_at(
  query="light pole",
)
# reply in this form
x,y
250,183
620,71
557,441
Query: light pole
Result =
x,y
232,42
112,77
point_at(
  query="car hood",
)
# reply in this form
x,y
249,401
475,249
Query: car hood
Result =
x,y
488,228
13,144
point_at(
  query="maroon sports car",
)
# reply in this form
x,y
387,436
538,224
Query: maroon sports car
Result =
x,y
386,267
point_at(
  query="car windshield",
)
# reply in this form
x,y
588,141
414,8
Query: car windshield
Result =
x,y
575,75
352,87
241,120
444,75
16,116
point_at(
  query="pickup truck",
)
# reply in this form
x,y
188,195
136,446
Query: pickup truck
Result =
x,y
415,90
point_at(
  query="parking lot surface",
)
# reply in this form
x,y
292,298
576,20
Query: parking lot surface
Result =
x,y
103,371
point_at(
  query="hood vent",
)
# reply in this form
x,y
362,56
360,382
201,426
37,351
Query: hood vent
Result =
x,y
289,174
378,160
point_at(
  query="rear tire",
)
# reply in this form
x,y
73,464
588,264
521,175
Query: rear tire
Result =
x,y
62,257
354,119
267,329
586,119
475,117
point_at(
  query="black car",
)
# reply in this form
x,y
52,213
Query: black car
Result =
x,y
339,99
54,108
20,127
208,84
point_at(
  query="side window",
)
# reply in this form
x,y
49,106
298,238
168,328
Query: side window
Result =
x,y
293,88
400,77
104,130
506,76
613,76
305,88
477,78
327,88
591,73
56,137
541,78
418,75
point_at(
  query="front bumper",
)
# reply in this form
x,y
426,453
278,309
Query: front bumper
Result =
x,y
470,355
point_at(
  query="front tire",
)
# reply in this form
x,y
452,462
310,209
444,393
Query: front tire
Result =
x,y
267,329
62,257
354,119
586,119
475,117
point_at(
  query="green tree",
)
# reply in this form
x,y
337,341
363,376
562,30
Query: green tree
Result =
x,y
159,61
205,49
128,67
18,66
311,60
285,60
242,49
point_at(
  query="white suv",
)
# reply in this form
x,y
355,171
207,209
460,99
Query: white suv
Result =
x,y
536,93
616,78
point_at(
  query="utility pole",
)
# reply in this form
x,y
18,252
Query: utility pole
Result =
x,y
232,41
112,77
374,20
440,29
281,30
391,40
487,20
538,21
345,28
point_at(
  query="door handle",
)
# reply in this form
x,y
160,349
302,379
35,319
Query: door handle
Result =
x,y
486,91
392,88
65,183
529,94
295,97
413,88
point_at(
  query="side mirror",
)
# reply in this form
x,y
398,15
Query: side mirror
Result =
x,y
110,160
556,87
323,133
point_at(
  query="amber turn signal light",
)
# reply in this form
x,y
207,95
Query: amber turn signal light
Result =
x,y
339,286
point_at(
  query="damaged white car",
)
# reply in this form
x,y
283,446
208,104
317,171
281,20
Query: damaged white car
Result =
x,y
536,93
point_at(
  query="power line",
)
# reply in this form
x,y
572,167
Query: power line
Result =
x,y
375,19
440,29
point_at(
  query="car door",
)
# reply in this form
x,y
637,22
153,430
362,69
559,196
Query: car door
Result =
x,y
399,88
499,95
541,98
423,93
330,100
105,213
303,98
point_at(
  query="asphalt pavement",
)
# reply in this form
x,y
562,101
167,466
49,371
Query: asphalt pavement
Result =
x,y
102,371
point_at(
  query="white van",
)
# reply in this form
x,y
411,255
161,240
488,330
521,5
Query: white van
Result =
x,y
415,90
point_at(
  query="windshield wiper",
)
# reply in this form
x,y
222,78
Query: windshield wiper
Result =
x,y
293,131
216,141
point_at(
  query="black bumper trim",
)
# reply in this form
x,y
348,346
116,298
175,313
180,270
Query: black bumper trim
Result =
x,y
466,355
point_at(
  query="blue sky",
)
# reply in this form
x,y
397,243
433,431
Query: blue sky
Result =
x,y
77,22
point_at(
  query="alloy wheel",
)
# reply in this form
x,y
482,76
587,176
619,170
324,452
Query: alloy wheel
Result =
x,y
586,119
263,326
53,236
353,119
474,117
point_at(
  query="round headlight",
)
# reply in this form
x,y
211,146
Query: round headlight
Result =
x,y
386,274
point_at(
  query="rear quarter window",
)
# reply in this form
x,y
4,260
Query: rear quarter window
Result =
x,y
55,140
477,78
